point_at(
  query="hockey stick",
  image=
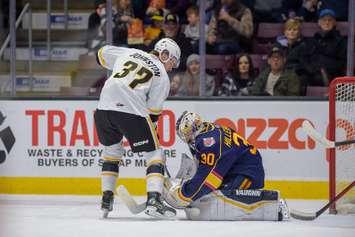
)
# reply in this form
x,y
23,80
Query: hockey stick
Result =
x,y
129,201
307,216
309,129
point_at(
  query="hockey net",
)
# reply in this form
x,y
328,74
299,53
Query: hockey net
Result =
x,y
342,127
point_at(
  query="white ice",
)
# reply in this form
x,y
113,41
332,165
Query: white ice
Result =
x,y
71,216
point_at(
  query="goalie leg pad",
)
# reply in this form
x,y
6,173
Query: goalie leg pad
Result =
x,y
239,205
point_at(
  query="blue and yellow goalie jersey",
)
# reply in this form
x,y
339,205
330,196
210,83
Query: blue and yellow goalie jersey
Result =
x,y
223,156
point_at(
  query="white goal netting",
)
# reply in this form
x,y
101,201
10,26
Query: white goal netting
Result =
x,y
344,156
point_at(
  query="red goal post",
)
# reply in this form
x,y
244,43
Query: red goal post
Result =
x,y
341,127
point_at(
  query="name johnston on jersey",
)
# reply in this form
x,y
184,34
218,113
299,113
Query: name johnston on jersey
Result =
x,y
148,63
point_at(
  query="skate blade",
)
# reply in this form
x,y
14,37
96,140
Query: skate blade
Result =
x,y
152,211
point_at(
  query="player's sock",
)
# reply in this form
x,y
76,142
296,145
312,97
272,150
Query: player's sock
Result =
x,y
157,208
109,178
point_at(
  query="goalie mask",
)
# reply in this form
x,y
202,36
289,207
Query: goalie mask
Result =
x,y
168,51
188,126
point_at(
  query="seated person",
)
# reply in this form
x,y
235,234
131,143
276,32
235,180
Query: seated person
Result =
x,y
153,31
296,48
228,178
327,51
97,27
192,29
309,10
191,79
123,18
175,85
171,29
276,80
241,76
230,27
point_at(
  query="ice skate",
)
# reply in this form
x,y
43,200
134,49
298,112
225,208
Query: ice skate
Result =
x,y
284,211
107,203
156,207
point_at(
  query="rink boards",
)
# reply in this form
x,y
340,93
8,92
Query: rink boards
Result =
x,y
54,148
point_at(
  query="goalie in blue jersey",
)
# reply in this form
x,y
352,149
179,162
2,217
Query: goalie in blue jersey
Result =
x,y
228,176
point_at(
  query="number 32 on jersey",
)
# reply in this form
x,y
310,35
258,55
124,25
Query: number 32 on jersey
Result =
x,y
143,74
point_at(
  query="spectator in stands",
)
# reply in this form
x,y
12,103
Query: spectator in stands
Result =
x,y
96,27
229,28
268,11
309,10
192,29
191,78
139,8
171,29
241,76
296,48
152,32
327,51
154,7
178,7
276,80
123,18
175,85
340,7
289,8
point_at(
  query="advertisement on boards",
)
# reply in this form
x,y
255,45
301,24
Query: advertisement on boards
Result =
x,y
58,138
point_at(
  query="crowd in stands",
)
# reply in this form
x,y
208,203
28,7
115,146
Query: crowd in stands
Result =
x,y
292,62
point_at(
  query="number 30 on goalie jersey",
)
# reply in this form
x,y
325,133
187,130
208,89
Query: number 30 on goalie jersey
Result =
x,y
222,155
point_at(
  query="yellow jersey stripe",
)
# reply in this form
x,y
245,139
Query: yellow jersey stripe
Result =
x,y
155,162
109,173
111,158
154,111
247,186
153,132
182,197
243,183
101,58
213,180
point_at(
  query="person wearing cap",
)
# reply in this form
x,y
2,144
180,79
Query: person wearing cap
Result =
x,y
276,80
191,78
171,29
153,31
327,51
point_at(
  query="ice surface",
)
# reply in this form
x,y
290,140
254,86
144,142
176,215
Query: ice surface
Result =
x,y
71,216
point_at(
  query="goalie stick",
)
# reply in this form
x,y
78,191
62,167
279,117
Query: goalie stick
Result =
x,y
309,216
309,129
129,201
